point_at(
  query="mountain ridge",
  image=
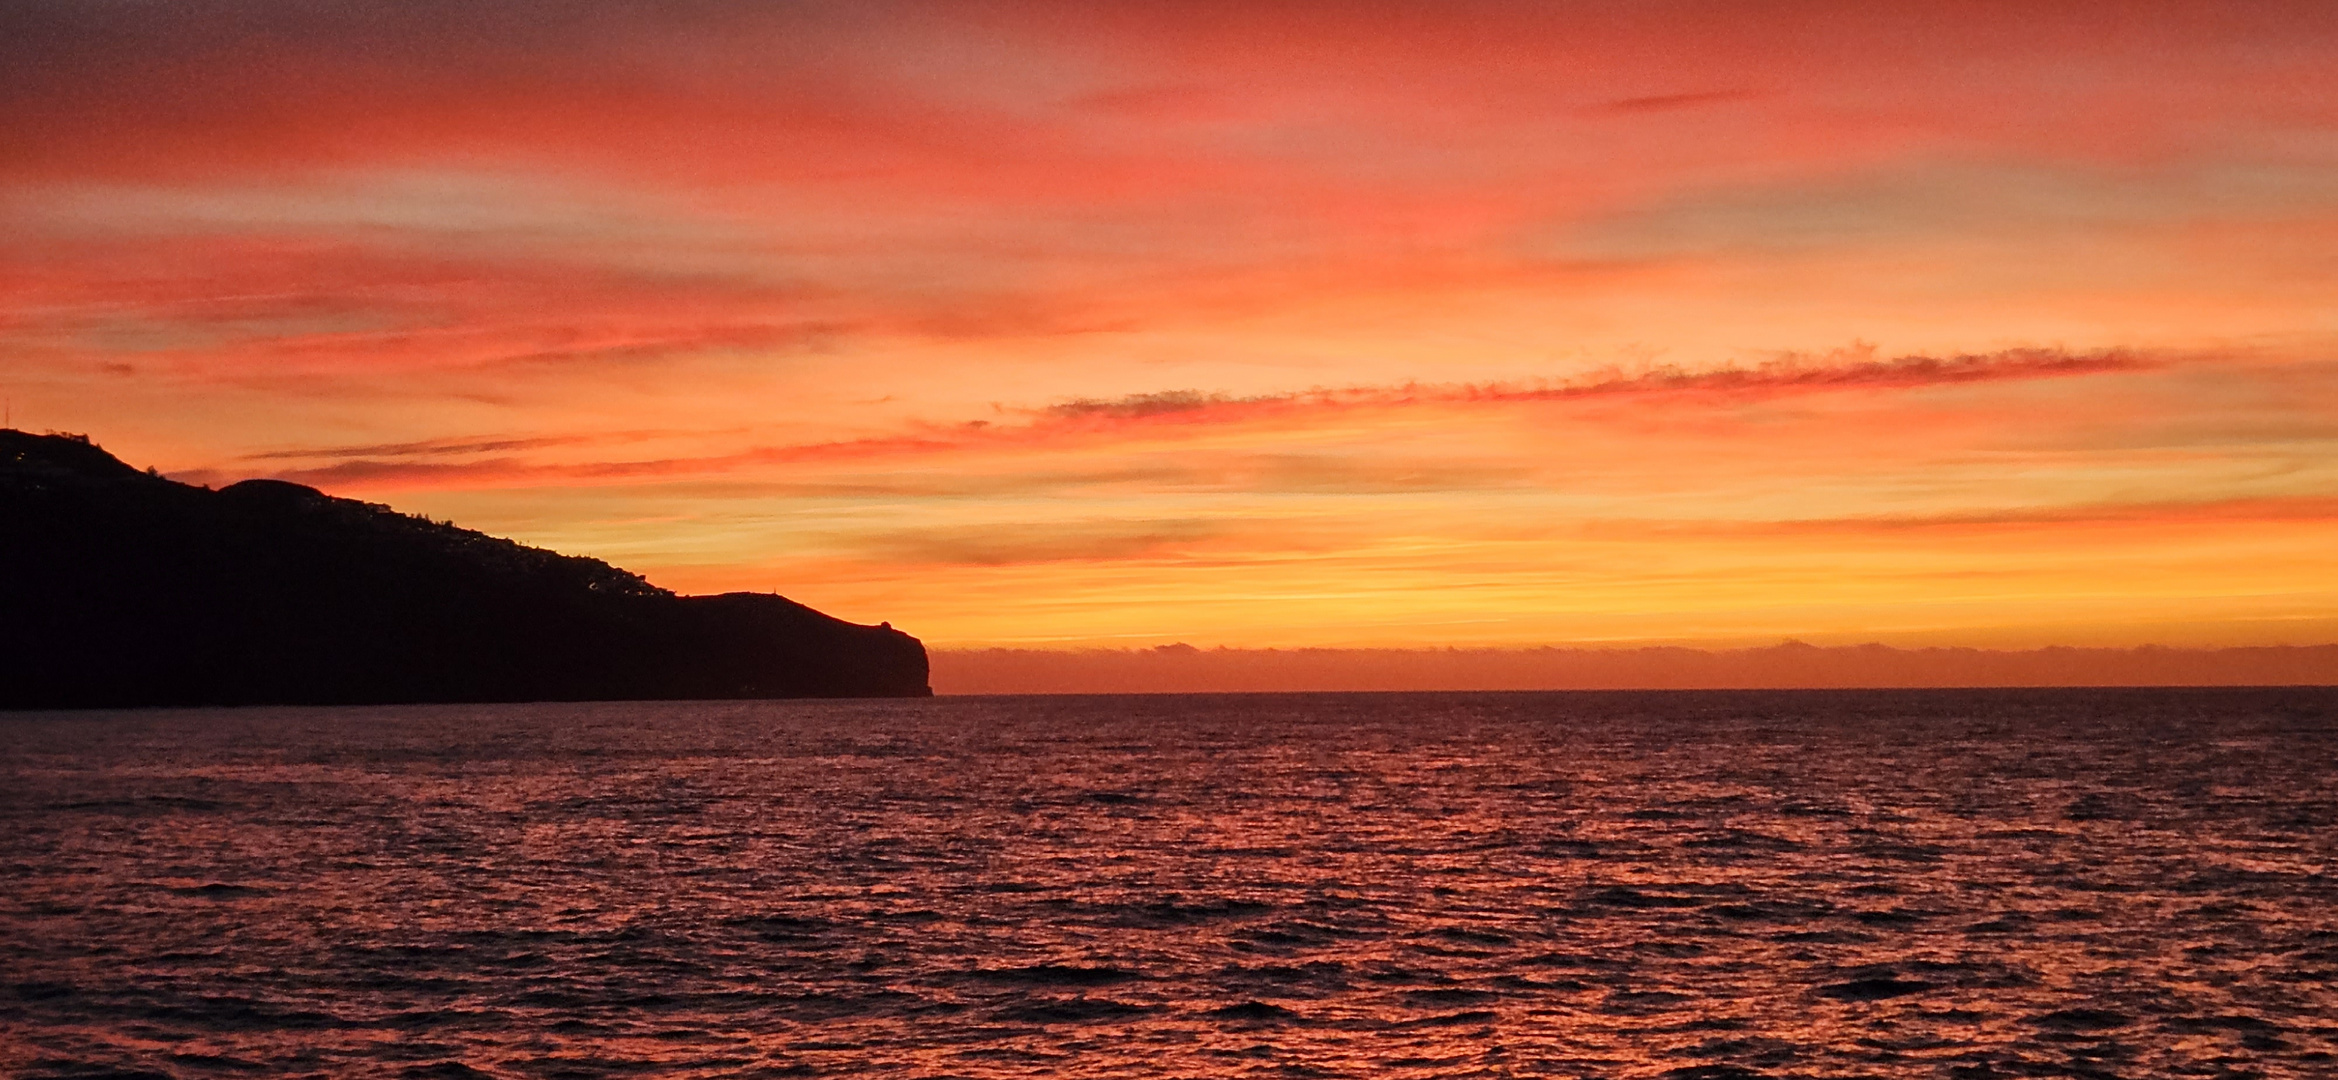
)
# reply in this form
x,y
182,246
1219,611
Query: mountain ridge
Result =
x,y
122,588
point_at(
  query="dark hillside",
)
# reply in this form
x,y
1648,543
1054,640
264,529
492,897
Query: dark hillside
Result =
x,y
120,588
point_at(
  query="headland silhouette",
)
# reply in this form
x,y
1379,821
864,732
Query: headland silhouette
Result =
x,y
121,588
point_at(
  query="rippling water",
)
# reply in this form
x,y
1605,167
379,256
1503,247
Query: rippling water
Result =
x,y
1957,884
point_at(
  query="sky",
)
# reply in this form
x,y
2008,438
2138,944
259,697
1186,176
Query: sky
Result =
x,y
1253,325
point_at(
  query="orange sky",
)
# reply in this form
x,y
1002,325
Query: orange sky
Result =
x,y
1255,325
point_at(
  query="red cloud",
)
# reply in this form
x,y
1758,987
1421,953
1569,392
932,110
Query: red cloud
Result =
x,y
1090,421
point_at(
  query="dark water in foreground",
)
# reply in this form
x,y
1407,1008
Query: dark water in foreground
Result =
x,y
1955,884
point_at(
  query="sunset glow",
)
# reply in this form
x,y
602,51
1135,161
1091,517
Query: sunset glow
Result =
x,y
1246,325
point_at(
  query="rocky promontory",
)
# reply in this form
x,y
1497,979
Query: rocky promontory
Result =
x,y
122,588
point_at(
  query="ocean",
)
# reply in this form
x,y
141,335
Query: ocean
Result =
x,y
1696,886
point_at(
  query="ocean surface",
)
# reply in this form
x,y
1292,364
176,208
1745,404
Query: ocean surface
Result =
x,y
1692,885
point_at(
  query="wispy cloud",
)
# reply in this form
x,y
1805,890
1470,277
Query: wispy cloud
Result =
x,y
1041,542
1671,102
1095,421
425,448
2162,512
1852,369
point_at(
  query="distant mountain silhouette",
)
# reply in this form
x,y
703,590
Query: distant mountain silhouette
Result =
x,y
121,588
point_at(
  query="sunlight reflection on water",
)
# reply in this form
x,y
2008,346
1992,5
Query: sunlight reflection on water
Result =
x,y
1709,885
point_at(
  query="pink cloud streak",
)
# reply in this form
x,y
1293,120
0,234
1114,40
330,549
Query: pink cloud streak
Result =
x,y
1086,421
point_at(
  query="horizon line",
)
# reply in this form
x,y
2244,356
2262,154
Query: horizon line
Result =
x,y
1788,666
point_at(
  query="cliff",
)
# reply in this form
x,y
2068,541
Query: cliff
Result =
x,y
121,588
